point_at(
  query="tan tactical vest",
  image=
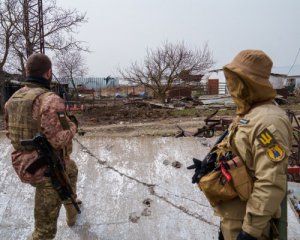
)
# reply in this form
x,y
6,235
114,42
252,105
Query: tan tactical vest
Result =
x,y
21,124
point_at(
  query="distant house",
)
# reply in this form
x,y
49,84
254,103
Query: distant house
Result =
x,y
289,75
280,78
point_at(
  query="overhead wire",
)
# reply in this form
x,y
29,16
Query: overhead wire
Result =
x,y
294,62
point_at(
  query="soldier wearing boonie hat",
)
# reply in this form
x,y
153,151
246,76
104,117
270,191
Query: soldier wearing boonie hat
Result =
x,y
262,138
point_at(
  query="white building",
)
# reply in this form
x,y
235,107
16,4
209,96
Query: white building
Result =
x,y
289,75
280,78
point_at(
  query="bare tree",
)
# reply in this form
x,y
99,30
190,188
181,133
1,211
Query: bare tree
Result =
x,y
69,65
8,21
7,28
164,65
59,29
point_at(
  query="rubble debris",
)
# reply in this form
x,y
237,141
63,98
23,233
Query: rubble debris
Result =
x,y
207,131
147,202
176,164
166,162
204,142
166,134
138,103
146,212
81,132
165,106
133,217
281,100
217,100
294,160
183,133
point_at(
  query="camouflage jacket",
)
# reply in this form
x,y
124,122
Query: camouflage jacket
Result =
x,y
47,107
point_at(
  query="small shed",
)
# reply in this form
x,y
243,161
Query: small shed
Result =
x,y
291,73
278,80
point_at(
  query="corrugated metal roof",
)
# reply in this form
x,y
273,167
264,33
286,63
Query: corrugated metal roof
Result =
x,y
93,82
280,70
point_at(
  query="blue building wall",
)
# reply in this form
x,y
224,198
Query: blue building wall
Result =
x,y
93,82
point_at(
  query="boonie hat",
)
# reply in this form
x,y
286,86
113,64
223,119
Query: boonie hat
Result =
x,y
255,64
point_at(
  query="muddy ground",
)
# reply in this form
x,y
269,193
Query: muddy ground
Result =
x,y
119,118
141,118
142,112
135,118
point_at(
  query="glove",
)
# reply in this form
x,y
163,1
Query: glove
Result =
x,y
198,170
245,236
197,165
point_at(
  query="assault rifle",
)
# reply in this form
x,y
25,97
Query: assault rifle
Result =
x,y
57,173
208,164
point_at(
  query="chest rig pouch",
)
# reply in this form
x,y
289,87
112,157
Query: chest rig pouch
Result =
x,y
230,178
21,123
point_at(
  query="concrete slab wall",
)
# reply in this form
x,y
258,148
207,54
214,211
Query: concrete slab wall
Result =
x,y
129,189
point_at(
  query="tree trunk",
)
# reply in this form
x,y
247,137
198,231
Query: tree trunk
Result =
x,y
162,97
75,89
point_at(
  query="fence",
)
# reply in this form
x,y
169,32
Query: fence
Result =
x,y
95,83
210,89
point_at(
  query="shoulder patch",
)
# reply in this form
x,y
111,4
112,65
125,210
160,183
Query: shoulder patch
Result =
x,y
266,139
63,121
276,153
61,114
244,121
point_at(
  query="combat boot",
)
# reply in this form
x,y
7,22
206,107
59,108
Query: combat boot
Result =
x,y
71,213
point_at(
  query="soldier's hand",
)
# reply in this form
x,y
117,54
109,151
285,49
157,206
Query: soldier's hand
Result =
x,y
245,236
198,171
197,176
196,165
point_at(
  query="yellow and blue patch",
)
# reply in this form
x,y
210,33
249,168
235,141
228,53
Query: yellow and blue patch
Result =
x,y
61,114
63,120
275,151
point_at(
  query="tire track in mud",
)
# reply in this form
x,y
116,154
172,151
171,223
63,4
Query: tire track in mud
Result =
x,y
151,187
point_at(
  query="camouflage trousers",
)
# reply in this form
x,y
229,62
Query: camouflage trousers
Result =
x,y
48,204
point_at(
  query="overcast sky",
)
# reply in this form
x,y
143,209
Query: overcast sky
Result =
x,y
119,31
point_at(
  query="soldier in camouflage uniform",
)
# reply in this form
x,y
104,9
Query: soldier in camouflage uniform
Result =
x,y
32,109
